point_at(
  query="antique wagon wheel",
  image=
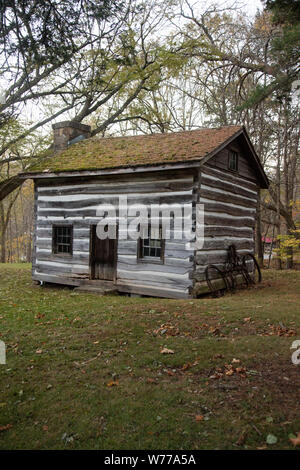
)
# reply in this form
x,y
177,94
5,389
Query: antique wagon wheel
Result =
x,y
230,277
214,274
233,273
234,268
252,268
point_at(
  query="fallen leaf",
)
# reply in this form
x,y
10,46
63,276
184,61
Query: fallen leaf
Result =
x,y
296,441
241,439
6,427
186,366
199,418
112,383
166,351
45,428
218,356
151,381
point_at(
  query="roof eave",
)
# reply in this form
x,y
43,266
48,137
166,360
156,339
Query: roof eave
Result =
x,y
264,182
114,170
264,177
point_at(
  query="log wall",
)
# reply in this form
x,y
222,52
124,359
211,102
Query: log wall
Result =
x,y
230,207
76,204
229,218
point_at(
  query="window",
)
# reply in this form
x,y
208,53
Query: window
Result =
x,y
153,246
233,161
62,239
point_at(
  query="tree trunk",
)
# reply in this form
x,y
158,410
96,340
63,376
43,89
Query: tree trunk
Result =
x,y
278,181
290,261
287,183
3,247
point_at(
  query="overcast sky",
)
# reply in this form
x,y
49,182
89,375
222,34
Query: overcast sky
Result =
x,y
249,6
252,6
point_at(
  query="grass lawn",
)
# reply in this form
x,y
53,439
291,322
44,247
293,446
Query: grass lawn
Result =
x,y
87,372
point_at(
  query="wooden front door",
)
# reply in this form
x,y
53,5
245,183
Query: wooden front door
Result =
x,y
102,256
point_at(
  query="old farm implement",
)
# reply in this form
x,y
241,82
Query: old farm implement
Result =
x,y
237,271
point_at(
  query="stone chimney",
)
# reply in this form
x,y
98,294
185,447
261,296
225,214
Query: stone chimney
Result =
x,y
67,133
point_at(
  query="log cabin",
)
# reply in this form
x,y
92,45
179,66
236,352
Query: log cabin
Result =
x,y
216,168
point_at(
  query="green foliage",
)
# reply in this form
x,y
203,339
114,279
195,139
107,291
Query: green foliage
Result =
x,y
47,32
284,11
288,244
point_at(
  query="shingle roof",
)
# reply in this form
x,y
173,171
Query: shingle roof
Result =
x,y
111,152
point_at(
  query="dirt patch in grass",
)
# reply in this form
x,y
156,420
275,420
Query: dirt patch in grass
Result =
x,y
280,381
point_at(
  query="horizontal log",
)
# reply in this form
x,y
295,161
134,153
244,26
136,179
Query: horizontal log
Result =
x,y
153,268
153,291
232,187
221,231
77,222
201,288
215,257
56,279
46,267
82,259
113,197
222,197
113,180
228,221
77,233
229,177
227,208
223,243
172,280
82,245
180,262
119,188
212,257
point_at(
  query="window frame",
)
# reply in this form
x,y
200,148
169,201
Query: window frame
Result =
x,y
54,240
230,154
151,259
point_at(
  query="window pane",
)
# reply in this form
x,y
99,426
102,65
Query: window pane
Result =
x,y
62,239
146,251
233,161
151,247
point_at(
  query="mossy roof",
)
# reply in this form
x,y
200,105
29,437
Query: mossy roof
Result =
x,y
112,152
